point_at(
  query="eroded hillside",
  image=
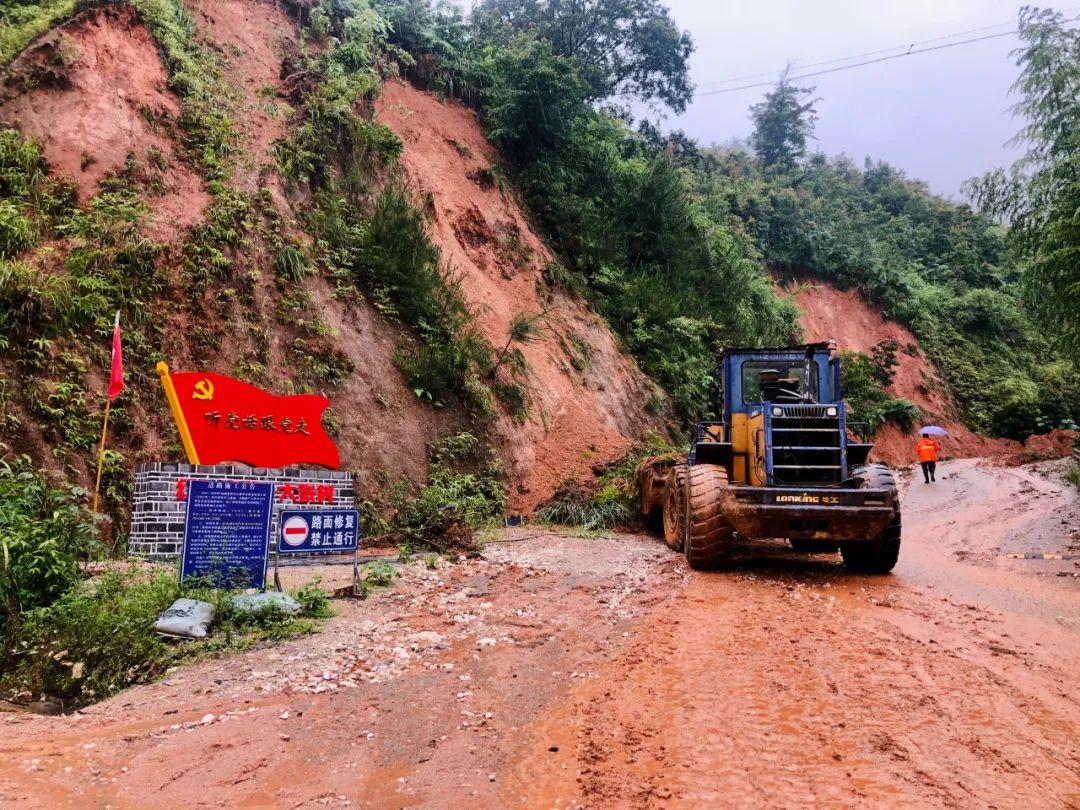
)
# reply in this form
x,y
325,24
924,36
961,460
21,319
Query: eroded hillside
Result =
x,y
844,316
96,94
217,171
590,396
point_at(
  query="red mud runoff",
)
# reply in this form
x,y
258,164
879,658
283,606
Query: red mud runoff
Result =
x,y
560,671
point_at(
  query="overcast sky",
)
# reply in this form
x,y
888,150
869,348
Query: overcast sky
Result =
x,y
942,117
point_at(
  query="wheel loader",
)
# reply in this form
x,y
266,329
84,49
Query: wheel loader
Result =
x,y
781,462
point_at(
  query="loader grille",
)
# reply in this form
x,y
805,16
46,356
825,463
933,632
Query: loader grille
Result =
x,y
807,446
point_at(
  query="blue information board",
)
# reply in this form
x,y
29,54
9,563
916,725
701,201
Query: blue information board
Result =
x,y
318,530
227,532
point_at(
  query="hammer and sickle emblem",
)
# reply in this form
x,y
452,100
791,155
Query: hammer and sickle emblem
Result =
x,y
204,389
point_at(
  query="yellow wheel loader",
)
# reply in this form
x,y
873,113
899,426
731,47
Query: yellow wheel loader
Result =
x,y
778,463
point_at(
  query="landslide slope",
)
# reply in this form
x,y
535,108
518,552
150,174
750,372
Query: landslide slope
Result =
x,y
589,395
829,313
98,94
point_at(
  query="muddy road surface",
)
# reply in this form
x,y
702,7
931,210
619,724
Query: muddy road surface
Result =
x,y
561,671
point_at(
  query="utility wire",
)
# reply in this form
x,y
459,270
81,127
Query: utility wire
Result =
x,y
911,51
865,55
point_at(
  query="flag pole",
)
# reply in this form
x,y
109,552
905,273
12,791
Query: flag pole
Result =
x,y
177,412
101,453
105,422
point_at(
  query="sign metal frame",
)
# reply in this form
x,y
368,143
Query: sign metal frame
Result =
x,y
286,514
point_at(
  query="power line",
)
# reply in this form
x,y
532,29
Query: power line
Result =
x,y
863,55
910,52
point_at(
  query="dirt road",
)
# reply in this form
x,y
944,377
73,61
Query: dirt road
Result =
x,y
560,671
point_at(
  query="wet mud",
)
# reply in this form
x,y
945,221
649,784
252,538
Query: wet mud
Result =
x,y
563,671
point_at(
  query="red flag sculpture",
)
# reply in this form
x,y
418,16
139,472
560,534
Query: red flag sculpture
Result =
x,y
222,419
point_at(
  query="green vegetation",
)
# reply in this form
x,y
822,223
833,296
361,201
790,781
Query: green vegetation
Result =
x,y
56,319
671,240
941,270
397,260
44,532
1072,475
1039,197
21,23
98,637
782,123
864,381
620,48
938,268
464,492
576,505
510,370
670,279
378,574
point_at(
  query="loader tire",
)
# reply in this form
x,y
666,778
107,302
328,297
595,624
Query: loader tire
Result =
x,y
875,476
708,536
675,507
877,555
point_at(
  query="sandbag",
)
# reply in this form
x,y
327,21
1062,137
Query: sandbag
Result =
x,y
186,618
255,604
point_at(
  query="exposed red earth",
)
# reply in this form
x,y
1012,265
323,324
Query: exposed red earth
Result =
x,y
110,100
560,671
843,315
584,412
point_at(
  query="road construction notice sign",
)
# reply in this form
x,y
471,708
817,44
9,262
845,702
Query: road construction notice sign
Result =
x,y
315,531
227,532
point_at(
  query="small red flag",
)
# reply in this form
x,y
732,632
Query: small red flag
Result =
x,y
116,375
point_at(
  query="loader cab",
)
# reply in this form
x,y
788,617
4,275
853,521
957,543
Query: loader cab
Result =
x,y
781,418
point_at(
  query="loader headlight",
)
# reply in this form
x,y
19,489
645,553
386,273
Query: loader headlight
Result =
x,y
831,412
777,411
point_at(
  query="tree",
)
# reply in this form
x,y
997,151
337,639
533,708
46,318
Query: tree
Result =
x,y
535,99
622,47
782,123
1017,413
1040,196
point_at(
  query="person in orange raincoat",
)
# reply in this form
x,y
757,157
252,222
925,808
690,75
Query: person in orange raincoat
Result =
x,y
928,450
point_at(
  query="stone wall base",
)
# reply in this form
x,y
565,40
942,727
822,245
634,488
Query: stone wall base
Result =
x,y
160,503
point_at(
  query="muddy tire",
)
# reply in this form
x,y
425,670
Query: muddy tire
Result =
x,y
708,535
675,507
652,476
879,555
875,476
813,546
